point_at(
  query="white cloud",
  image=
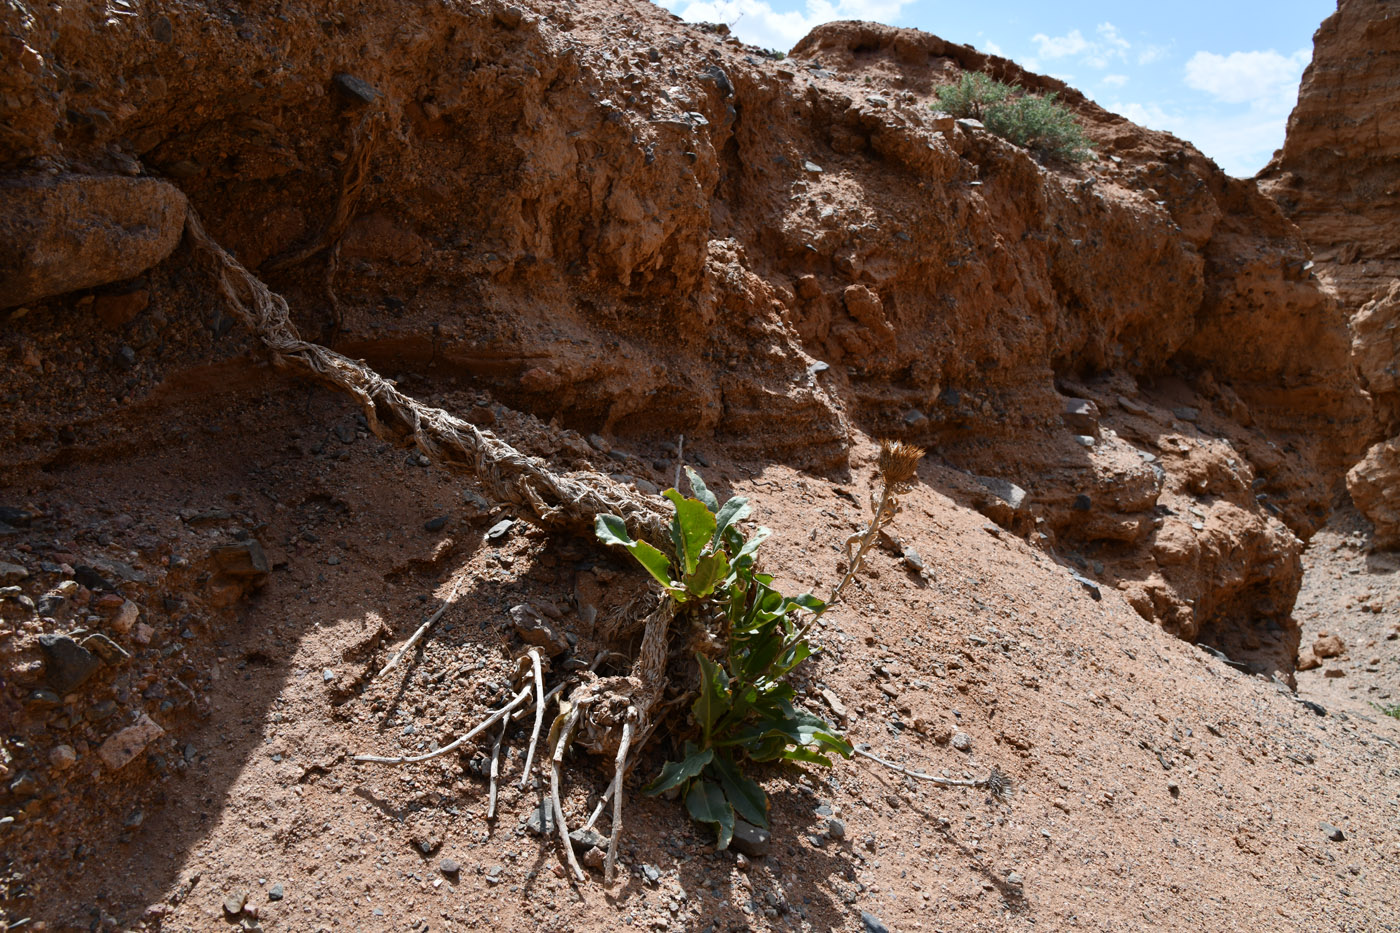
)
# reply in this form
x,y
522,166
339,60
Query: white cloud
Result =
x,y
756,22
1152,53
1108,46
1114,80
1264,80
991,48
1060,46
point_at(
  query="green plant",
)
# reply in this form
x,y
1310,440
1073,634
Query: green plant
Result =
x,y
1039,123
974,94
1392,710
745,710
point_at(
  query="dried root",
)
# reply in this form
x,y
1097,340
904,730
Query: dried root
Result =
x,y
996,782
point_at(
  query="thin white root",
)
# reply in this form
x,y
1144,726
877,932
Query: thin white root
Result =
x,y
555,761
995,781
496,769
598,810
539,716
413,639
493,718
611,864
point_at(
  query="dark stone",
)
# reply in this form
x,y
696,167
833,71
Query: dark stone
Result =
x,y
950,397
19,518
345,433
751,840
1332,832
1089,585
276,892
1315,707
67,664
1082,503
162,31
449,866
585,839
716,74
436,524
355,89
115,568
510,17
42,699
1081,416
872,923
91,579
541,821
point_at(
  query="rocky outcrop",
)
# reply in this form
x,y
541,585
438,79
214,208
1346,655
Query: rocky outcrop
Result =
x,y
1337,174
687,236
1374,484
1336,177
60,234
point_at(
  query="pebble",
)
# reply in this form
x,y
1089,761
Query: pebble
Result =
x,y
1186,413
962,741
449,866
234,904
123,746
835,828
912,558
126,617
498,531
276,892
1332,832
327,675
653,874
356,89
62,757
436,524
541,821
12,573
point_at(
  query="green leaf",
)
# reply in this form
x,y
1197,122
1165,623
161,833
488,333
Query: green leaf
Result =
x,y
809,602
676,773
713,700
735,510
808,755
791,658
762,655
709,571
751,545
744,795
612,530
707,804
692,527
702,492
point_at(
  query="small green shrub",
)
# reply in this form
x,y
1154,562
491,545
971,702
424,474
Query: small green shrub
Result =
x,y
1040,124
745,709
1392,710
973,95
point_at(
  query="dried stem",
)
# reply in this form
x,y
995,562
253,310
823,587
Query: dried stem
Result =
x,y
990,781
555,761
413,639
496,769
494,717
621,768
539,715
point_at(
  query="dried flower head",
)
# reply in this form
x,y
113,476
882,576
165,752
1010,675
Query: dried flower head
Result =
x,y
899,461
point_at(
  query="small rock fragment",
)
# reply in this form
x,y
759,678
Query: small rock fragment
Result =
x,y
534,629
355,89
870,922
497,532
751,840
962,741
11,574
234,904
126,617
1332,832
123,746
449,866
62,757
1329,646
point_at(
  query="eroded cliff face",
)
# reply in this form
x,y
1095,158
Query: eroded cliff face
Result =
x,y
639,228
1336,176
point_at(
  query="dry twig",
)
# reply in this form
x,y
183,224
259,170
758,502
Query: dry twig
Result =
x,y
413,639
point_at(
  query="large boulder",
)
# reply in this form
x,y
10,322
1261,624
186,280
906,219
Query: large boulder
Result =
x,y
61,233
1375,488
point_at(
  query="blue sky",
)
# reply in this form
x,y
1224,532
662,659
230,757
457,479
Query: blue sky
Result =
x,y
1223,75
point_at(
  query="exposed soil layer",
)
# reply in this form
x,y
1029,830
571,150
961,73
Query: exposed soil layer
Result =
x,y
1154,783
591,229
